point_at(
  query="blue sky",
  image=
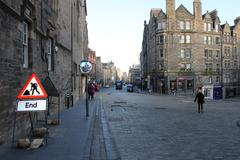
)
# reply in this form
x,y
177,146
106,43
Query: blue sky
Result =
x,y
115,27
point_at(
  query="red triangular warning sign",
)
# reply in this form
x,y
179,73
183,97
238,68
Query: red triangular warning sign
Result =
x,y
33,89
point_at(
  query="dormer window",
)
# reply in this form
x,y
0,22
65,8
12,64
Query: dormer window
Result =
x,y
207,27
216,27
181,23
188,27
161,25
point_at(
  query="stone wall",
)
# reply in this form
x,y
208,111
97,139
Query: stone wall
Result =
x,y
46,21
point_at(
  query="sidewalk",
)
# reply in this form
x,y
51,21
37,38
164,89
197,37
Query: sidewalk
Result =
x,y
67,141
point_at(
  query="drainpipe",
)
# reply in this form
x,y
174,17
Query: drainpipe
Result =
x,y
72,50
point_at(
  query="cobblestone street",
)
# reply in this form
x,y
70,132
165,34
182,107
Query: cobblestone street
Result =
x,y
164,127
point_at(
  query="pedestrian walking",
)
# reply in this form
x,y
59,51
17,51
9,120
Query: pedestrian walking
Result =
x,y
200,99
91,91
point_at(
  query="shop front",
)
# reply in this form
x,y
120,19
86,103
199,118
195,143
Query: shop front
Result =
x,y
212,91
181,85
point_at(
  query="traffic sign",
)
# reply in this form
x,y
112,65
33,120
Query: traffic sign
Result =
x,y
33,89
32,105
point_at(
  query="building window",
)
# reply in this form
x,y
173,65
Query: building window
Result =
x,y
185,53
235,64
161,25
50,54
226,78
227,51
217,40
227,63
161,39
218,67
182,39
205,40
228,37
209,27
161,66
188,66
185,66
182,54
205,26
208,54
188,53
218,54
208,40
184,25
188,25
217,79
182,66
25,45
210,80
208,66
188,39
181,23
161,53
216,27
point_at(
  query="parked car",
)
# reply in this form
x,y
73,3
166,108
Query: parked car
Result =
x,y
107,86
130,88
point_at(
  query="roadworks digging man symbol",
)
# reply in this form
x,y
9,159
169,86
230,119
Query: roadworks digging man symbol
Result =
x,y
34,87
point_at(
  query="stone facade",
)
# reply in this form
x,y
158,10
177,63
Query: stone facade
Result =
x,y
93,59
134,75
45,37
182,51
109,73
99,71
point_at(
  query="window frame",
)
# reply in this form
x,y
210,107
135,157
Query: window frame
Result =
x,y
25,53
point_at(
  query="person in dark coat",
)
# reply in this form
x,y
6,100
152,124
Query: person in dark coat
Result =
x,y
91,91
200,99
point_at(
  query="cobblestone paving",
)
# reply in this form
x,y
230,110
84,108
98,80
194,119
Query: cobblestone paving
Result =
x,y
150,127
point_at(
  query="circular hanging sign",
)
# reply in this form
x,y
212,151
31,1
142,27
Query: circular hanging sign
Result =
x,y
85,66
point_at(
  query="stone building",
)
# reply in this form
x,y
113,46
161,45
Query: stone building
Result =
x,y
231,58
134,75
182,51
99,71
93,59
45,37
109,73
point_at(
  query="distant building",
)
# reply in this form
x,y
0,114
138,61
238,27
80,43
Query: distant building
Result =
x,y
109,73
134,75
99,71
93,59
182,51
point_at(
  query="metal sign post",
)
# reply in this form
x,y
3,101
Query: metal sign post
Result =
x,y
87,112
85,68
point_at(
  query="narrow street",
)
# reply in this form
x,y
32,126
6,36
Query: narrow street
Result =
x,y
168,127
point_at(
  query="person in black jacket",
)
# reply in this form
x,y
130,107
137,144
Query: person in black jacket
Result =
x,y
200,98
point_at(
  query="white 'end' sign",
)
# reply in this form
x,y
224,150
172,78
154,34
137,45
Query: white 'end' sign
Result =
x,y
32,105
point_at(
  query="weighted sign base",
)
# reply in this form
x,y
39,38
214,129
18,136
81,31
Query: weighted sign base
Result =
x,y
39,105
